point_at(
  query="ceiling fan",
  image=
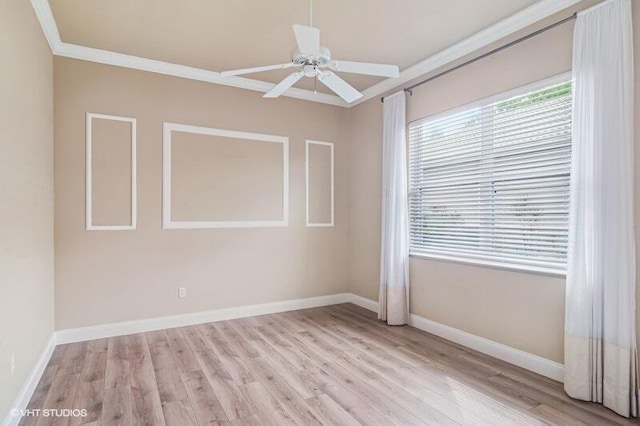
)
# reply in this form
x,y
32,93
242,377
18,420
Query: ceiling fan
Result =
x,y
314,60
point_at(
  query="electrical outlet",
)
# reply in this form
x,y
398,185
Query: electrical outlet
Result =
x,y
13,364
182,292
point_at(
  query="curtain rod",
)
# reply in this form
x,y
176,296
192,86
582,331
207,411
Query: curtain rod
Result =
x,y
492,52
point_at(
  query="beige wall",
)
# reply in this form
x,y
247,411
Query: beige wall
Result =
x,y
26,196
111,172
525,311
113,276
108,276
225,179
319,183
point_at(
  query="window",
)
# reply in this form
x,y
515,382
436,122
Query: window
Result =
x,y
490,182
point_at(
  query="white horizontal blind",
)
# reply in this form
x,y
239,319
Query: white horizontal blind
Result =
x,y
491,183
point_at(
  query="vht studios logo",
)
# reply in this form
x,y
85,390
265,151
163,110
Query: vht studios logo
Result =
x,y
50,412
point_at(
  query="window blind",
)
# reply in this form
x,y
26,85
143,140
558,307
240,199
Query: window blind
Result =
x,y
491,182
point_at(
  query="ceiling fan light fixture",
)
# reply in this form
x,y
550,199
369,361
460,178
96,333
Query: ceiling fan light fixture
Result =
x,y
310,70
314,60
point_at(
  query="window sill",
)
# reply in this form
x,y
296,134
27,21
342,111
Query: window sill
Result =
x,y
527,269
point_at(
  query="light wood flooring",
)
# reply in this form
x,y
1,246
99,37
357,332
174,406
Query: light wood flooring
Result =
x,y
333,365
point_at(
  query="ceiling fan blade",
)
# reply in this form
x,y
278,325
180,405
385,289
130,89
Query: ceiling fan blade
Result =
x,y
281,87
308,39
256,69
339,86
381,70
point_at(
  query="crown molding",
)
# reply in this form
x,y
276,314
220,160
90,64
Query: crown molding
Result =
x,y
48,23
74,51
514,23
538,11
107,57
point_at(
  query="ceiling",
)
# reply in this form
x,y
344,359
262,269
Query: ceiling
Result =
x,y
221,35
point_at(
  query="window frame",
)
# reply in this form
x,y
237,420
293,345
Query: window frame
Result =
x,y
481,260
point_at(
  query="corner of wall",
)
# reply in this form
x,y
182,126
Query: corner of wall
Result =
x,y
26,224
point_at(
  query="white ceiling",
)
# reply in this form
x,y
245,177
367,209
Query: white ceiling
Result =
x,y
217,35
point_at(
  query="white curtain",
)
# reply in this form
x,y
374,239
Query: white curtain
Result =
x,y
600,329
394,255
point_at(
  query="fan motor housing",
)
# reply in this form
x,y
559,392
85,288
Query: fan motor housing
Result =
x,y
299,58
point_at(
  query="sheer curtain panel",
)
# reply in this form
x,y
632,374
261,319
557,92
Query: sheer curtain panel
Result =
x,y
394,253
600,329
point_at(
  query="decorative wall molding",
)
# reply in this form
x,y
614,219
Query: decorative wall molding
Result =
x,y
307,189
89,170
537,364
534,13
169,223
22,400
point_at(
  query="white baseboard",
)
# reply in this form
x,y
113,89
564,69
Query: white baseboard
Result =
x,y
72,335
363,302
24,396
526,360
506,353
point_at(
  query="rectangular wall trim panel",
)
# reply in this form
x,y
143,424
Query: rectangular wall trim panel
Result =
x,y
90,226
169,223
308,220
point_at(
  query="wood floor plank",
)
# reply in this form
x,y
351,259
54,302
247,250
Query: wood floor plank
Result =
x,y
392,412
90,397
91,384
265,405
282,358
270,323
227,354
556,417
398,395
357,407
331,410
369,343
95,366
495,412
73,359
290,400
387,407
57,355
371,376
239,343
460,372
117,406
253,420
313,372
145,398
117,369
97,345
176,407
206,405
569,407
246,328
231,399
412,395
42,390
170,385
60,396
328,365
